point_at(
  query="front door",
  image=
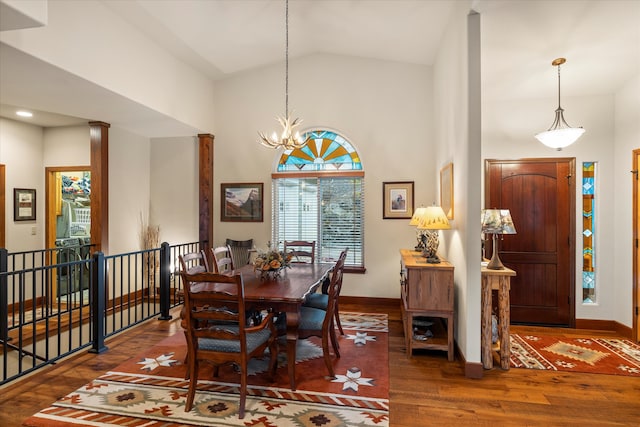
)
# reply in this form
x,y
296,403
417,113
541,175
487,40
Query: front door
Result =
x,y
540,193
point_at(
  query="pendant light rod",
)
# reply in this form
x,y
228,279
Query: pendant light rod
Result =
x,y
287,139
560,134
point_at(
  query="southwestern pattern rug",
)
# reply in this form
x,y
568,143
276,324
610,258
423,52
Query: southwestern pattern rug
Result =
x,y
150,389
590,355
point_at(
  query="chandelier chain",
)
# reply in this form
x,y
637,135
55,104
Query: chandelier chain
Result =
x,y
286,61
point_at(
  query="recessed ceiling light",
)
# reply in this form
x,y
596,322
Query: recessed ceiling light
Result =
x,y
23,113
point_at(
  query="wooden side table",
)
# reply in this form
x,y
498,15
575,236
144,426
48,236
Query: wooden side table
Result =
x,y
501,281
427,291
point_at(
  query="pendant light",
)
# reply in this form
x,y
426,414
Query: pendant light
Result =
x,y
287,139
560,134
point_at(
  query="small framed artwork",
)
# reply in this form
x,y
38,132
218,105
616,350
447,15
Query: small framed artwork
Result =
x,y
241,202
24,204
397,200
446,190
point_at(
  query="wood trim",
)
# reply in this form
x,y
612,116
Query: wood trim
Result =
x,y
322,174
205,196
605,325
369,301
99,138
3,184
635,219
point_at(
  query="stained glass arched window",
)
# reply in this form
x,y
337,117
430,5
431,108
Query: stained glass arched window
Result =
x,y
318,195
325,151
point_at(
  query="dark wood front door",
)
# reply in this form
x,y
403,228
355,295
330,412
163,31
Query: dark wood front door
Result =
x,y
540,193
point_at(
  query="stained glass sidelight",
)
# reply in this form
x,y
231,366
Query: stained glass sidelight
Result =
x,y
588,232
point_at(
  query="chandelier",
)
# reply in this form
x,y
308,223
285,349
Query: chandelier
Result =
x,y
287,139
560,134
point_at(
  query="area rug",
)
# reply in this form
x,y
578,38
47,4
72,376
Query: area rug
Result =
x,y
150,389
591,355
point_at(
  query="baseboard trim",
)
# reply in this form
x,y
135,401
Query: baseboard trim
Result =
x,y
473,370
605,325
371,301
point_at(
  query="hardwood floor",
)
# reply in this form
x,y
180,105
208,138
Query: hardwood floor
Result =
x,y
425,390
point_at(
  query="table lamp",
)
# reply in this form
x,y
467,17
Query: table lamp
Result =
x,y
497,221
432,220
415,221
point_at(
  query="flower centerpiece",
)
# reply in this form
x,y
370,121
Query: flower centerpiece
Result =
x,y
271,263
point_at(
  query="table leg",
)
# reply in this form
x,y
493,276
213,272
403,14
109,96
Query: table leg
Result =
x,y
487,356
505,317
293,320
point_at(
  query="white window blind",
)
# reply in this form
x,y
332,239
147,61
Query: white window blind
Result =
x,y
329,211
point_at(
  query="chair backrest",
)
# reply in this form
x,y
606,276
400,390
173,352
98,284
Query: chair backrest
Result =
x,y
194,262
240,251
213,298
335,286
222,259
301,250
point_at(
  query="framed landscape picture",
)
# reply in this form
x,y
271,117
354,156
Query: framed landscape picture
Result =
x,y
397,200
241,202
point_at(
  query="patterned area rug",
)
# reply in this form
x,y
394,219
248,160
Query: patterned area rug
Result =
x,y
592,355
150,389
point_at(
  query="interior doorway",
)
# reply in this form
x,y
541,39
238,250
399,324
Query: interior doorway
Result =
x,y
68,225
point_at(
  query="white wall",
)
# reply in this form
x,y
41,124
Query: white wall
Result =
x,y
67,146
21,150
129,189
174,189
457,126
383,108
118,57
627,139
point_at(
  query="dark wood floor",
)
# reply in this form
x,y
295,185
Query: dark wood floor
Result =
x,y
425,390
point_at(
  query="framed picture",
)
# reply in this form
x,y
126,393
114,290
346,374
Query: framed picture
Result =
x,y
397,200
241,202
24,204
446,190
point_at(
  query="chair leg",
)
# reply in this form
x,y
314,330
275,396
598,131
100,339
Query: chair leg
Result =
x,y
327,355
273,359
193,382
243,392
337,316
334,341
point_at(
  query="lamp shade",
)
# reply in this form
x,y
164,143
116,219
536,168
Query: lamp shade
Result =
x,y
559,138
497,221
417,215
433,218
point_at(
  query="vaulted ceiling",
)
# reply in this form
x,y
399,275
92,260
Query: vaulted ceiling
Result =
x,y
599,38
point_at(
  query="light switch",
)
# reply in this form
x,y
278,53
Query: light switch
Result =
x,y
33,230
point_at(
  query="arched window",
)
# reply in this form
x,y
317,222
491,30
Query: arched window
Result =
x,y
318,195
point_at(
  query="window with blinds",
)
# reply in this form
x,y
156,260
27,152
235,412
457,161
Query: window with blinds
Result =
x,y
318,195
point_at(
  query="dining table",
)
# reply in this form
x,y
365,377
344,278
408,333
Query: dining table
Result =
x,y
284,293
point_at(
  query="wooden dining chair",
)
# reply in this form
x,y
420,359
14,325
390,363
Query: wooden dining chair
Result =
x,y
318,322
301,250
223,259
240,251
321,300
218,332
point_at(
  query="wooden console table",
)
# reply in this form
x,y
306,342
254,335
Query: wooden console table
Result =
x,y
499,280
427,291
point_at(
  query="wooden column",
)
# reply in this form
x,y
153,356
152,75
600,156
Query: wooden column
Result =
x,y
99,137
205,176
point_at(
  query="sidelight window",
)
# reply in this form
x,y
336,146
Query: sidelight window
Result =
x,y
588,232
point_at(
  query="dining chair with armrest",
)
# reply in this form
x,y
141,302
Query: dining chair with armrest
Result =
x,y
240,251
317,322
321,300
301,250
219,333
